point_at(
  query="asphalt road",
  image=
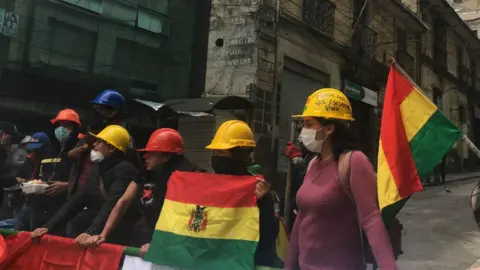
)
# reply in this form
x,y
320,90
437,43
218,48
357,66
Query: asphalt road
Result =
x,y
440,229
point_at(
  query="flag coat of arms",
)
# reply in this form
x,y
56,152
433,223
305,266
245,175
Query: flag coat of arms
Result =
x,y
415,135
208,221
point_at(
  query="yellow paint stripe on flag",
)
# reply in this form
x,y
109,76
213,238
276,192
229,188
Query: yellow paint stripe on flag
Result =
x,y
218,223
386,185
416,109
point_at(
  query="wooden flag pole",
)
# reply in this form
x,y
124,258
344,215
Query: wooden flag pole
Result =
x,y
288,187
469,143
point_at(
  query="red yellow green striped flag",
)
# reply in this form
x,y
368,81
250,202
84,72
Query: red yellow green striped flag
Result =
x,y
414,137
208,221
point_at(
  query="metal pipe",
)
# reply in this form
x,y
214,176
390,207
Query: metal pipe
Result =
x,y
288,187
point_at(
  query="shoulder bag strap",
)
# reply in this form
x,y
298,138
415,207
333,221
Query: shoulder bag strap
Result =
x,y
344,164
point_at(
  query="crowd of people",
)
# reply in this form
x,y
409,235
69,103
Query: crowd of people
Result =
x,y
101,188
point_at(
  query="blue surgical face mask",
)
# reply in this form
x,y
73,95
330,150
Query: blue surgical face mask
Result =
x,y
62,134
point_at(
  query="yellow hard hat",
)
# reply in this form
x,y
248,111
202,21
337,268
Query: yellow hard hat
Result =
x,y
328,103
117,136
233,133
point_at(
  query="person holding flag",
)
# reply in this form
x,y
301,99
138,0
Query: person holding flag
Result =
x,y
328,229
163,155
232,146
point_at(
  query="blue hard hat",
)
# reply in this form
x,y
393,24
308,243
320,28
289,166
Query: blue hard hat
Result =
x,y
38,140
110,98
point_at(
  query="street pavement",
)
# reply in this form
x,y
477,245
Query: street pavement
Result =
x,y
440,231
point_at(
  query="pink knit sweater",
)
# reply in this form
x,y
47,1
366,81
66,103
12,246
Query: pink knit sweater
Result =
x,y
326,233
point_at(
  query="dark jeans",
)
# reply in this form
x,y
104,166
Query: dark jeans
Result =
x,y
35,212
30,217
80,223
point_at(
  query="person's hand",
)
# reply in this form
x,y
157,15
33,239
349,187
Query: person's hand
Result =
x,y
19,179
262,188
94,241
37,233
292,151
55,188
144,249
84,240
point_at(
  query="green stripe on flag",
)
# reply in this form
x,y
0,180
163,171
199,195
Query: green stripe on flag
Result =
x,y
432,142
200,253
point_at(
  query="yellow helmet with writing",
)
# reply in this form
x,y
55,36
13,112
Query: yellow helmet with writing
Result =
x,y
328,103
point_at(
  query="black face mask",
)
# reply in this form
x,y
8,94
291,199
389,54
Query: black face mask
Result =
x,y
227,165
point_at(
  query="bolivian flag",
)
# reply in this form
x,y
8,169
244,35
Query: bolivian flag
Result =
x,y
208,221
414,137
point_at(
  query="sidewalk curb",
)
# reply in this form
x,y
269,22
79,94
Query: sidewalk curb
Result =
x,y
452,181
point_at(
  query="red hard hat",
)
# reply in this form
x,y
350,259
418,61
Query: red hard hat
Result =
x,y
164,140
67,115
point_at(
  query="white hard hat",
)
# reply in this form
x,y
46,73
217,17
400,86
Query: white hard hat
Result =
x,y
25,140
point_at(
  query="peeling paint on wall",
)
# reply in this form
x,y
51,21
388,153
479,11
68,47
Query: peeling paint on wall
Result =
x,y
232,53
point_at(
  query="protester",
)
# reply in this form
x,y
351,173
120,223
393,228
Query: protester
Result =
x,y
87,211
20,155
82,164
54,169
326,233
232,147
110,108
8,134
163,155
300,158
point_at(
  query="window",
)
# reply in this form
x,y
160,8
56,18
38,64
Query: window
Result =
x,y
92,5
135,58
440,42
159,6
362,18
401,40
320,15
150,21
71,46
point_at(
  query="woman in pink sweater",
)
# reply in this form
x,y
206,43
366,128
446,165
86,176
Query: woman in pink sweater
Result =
x,y
326,234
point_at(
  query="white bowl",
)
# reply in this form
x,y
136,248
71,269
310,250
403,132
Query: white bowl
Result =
x,y
34,188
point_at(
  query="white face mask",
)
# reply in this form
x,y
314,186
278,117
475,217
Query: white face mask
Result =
x,y
307,137
96,156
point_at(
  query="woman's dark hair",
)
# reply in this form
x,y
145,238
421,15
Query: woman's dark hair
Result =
x,y
343,139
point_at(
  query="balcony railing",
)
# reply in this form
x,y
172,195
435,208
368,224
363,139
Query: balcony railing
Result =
x,y
406,61
365,39
320,15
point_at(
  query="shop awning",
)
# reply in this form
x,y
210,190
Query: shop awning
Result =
x,y
200,106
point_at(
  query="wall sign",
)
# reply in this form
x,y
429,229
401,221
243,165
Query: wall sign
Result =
x,y
8,23
361,93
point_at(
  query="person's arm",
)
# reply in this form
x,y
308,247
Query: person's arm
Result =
x,y
269,226
363,183
69,210
120,209
123,176
291,262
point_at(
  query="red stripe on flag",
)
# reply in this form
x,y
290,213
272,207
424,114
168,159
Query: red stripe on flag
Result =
x,y
3,249
394,140
53,252
208,189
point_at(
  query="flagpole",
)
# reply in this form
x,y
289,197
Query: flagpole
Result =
x,y
469,143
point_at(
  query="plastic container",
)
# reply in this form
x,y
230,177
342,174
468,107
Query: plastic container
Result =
x,y
34,188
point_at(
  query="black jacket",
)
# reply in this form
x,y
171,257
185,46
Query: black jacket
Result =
x,y
106,183
265,255
7,178
155,190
